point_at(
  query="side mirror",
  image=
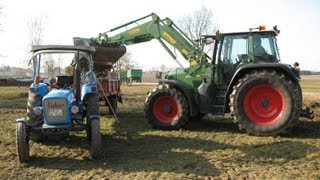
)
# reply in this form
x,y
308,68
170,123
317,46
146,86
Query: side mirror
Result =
x,y
208,40
159,75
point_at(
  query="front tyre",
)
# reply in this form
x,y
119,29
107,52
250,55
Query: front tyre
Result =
x,y
265,103
95,141
93,125
22,140
166,108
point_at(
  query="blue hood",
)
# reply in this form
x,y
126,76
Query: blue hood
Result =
x,y
57,107
60,93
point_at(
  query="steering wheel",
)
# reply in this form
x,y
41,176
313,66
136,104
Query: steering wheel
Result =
x,y
242,58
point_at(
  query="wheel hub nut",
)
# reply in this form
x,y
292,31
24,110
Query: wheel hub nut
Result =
x,y
167,108
265,103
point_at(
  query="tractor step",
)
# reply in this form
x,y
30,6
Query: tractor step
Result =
x,y
218,107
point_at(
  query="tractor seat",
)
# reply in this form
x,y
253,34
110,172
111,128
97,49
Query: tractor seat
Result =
x,y
64,81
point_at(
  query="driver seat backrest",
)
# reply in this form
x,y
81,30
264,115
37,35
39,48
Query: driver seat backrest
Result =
x,y
64,81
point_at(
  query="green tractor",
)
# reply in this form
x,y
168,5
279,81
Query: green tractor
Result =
x,y
243,77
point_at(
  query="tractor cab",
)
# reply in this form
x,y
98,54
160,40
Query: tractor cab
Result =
x,y
234,50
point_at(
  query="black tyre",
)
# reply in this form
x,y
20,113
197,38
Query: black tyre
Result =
x,y
114,104
93,125
22,140
265,103
166,108
95,142
34,100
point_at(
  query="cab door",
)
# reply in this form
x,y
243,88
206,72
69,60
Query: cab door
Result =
x,y
233,52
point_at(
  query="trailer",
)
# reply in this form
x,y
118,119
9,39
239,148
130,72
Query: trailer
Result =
x,y
108,81
109,90
134,75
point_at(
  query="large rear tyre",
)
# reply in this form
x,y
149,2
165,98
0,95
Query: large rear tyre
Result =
x,y
166,108
34,100
265,103
93,125
22,140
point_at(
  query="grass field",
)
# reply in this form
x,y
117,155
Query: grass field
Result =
x,y
210,148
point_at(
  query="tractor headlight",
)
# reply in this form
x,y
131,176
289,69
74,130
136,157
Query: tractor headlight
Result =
x,y
93,89
74,109
37,111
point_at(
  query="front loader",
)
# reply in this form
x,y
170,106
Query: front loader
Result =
x,y
243,77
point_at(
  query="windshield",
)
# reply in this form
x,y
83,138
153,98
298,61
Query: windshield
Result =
x,y
265,47
50,64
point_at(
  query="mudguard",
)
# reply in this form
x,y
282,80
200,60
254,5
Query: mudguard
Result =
x,y
40,88
190,94
21,120
88,89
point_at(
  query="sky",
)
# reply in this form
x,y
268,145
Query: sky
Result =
x,y
298,21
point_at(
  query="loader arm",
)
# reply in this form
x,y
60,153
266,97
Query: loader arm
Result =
x,y
143,30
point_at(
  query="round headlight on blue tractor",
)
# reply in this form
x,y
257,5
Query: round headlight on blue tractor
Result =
x,y
37,110
74,109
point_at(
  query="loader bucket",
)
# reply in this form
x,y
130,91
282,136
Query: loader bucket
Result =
x,y
106,56
103,57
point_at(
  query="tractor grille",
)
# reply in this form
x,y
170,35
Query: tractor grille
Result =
x,y
55,110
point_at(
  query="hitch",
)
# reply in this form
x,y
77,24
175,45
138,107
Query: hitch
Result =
x,y
307,112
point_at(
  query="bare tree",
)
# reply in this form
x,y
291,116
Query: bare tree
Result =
x,y
1,24
1,14
201,22
36,28
124,63
163,68
49,66
69,70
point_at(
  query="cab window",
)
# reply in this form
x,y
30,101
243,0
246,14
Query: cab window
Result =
x,y
234,49
265,47
234,52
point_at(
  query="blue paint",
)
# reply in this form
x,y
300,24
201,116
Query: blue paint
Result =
x,y
58,94
88,89
40,88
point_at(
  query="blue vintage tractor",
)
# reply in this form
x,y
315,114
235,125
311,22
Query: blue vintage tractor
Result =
x,y
63,104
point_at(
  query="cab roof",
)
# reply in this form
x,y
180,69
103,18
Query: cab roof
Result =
x,y
260,29
253,32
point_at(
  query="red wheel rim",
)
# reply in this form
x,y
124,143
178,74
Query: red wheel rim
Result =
x,y
165,109
264,104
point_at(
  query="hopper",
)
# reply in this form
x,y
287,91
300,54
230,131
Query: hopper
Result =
x,y
103,57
